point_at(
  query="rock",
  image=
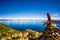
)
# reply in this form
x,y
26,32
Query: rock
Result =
x,y
3,38
50,33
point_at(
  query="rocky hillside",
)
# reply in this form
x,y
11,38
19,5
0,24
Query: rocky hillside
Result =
x,y
50,33
7,33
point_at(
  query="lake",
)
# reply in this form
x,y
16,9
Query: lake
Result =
x,y
23,25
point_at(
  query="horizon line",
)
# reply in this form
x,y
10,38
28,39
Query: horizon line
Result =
x,y
17,19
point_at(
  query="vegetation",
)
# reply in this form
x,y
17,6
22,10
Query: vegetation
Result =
x,y
7,33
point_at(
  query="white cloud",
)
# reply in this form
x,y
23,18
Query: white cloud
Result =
x,y
55,14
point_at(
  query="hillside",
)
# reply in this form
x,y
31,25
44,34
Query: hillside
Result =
x,y
7,33
51,32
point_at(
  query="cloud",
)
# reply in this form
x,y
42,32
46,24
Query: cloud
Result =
x,y
55,14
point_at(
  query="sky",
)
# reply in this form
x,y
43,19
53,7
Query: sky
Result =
x,y
29,8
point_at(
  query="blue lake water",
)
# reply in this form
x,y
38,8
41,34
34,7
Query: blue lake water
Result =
x,y
23,25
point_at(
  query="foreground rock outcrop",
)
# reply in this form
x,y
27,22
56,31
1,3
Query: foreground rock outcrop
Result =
x,y
50,33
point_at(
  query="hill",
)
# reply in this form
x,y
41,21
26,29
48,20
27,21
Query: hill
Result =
x,y
7,33
50,33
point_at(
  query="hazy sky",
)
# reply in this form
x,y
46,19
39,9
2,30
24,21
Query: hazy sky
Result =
x,y
29,8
